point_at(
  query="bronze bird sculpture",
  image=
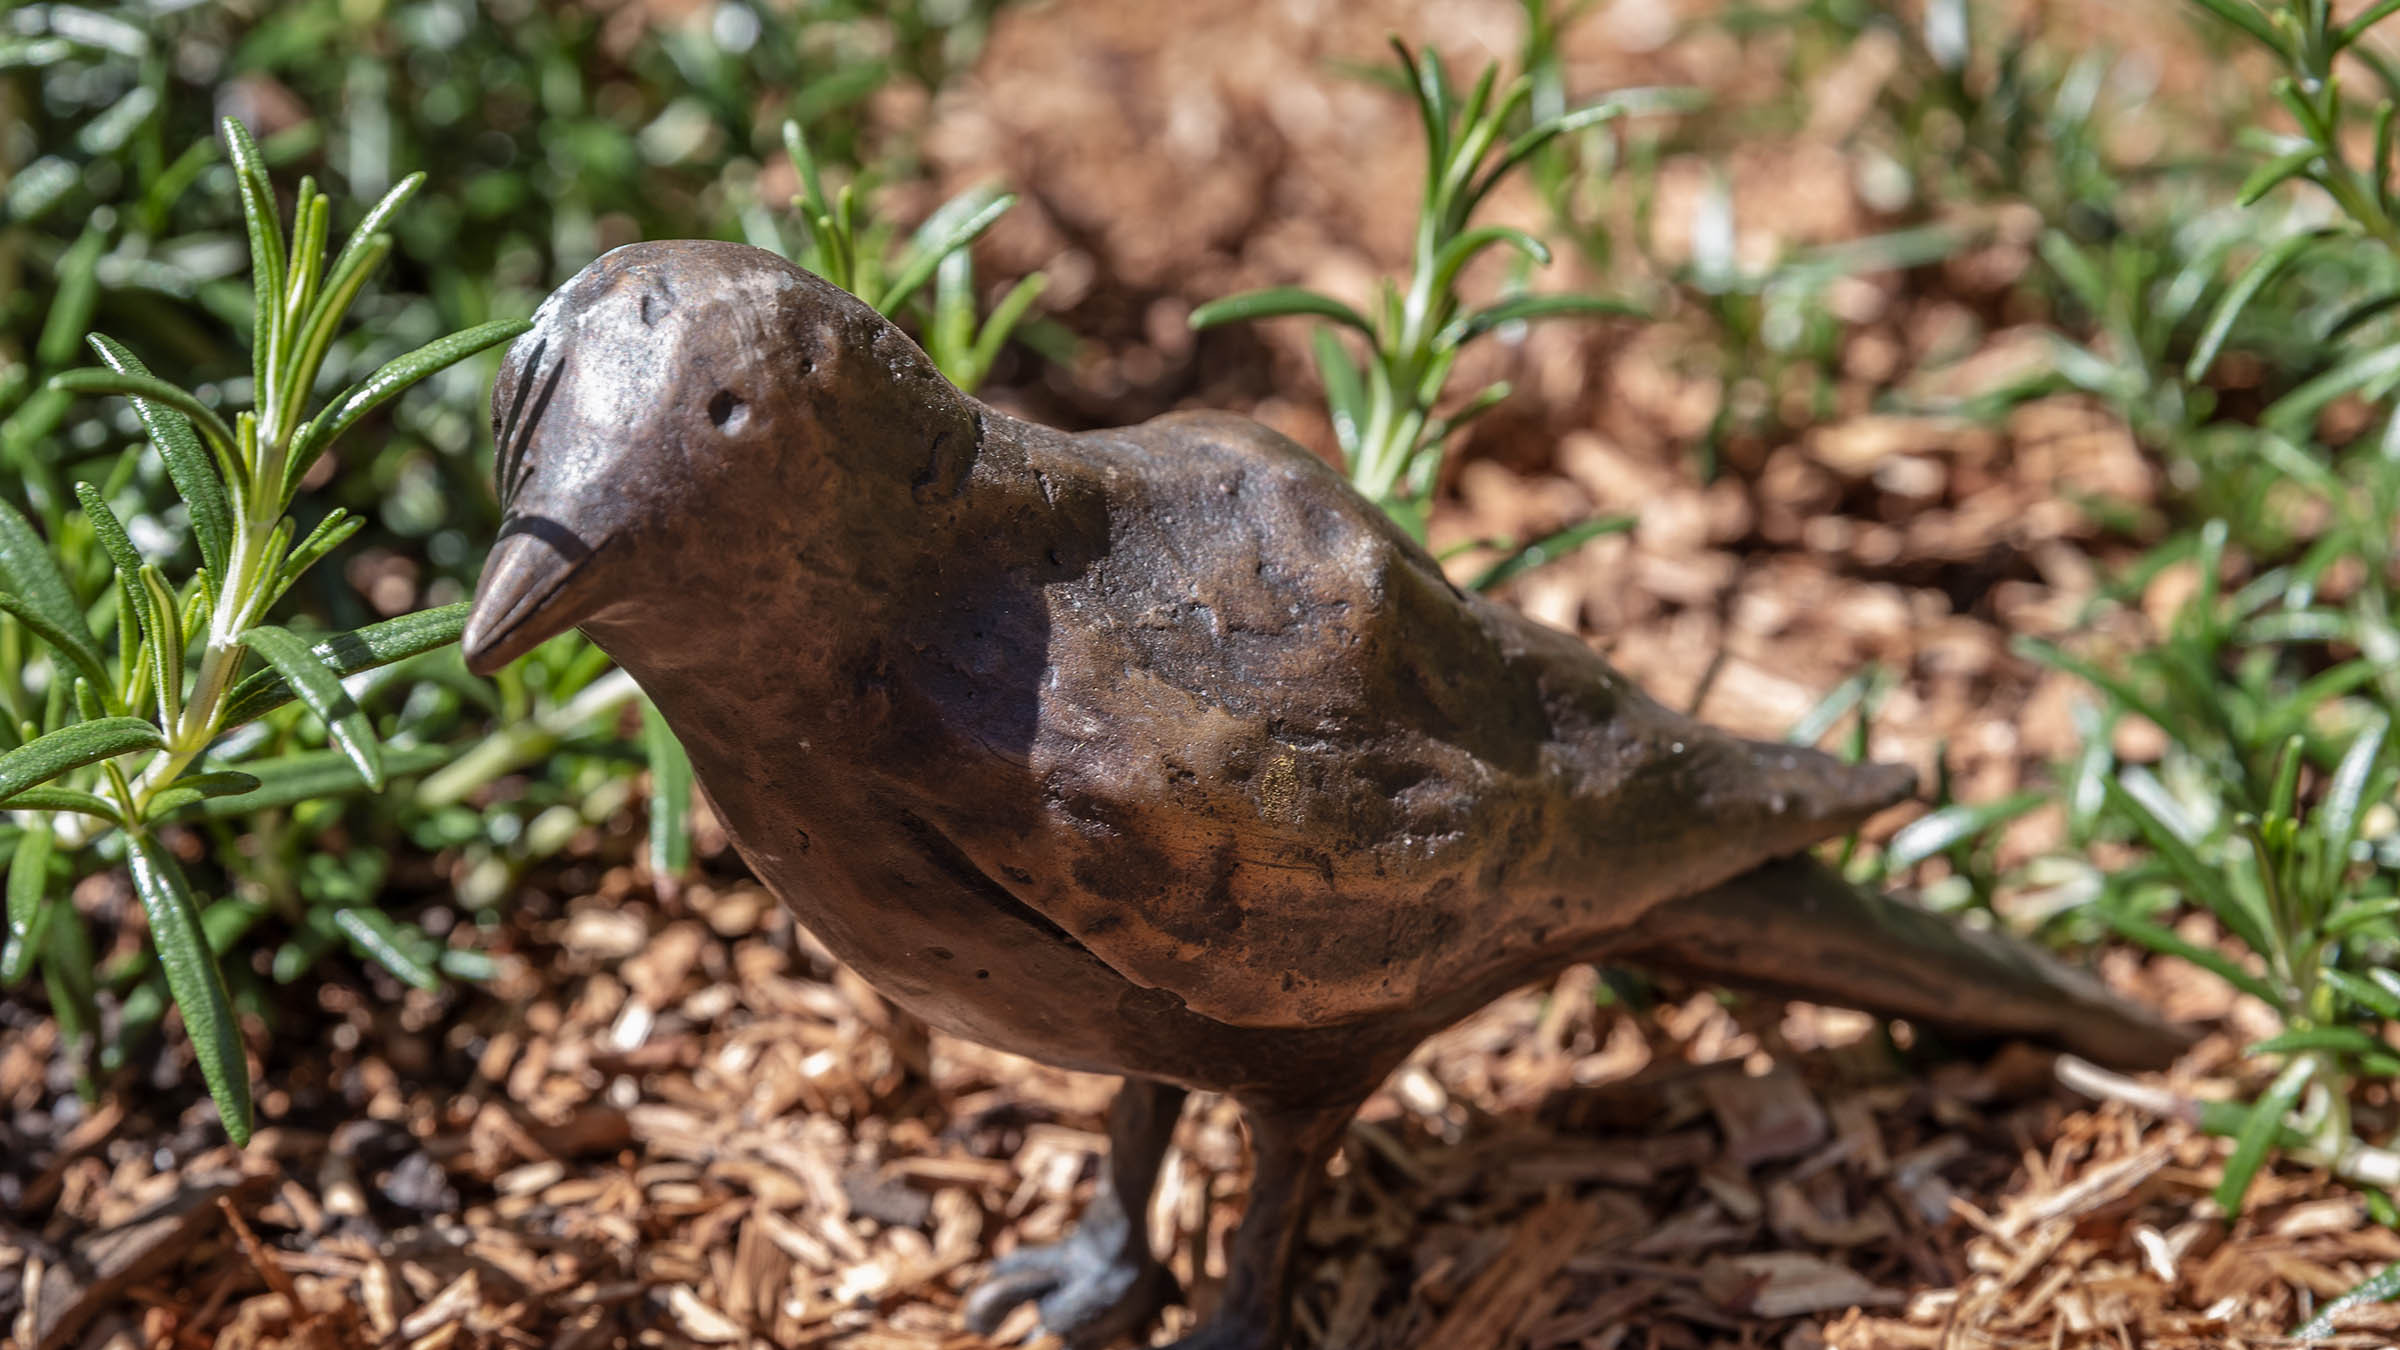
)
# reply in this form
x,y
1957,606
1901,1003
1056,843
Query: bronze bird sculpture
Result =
x,y
1155,752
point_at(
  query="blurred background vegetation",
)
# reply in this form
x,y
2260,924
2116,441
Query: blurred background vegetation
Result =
x,y
2218,281
546,134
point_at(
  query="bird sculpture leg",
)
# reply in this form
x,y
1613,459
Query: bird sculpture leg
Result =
x,y
1289,1148
1101,1282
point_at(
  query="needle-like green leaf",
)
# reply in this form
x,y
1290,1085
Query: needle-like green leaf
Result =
x,y
955,225
1455,255
69,643
2238,296
134,595
1345,391
31,574
396,375
1277,302
1527,308
1939,831
337,526
670,794
2258,1134
314,774
194,978
72,747
321,690
2365,19
2337,816
166,642
265,232
65,799
2338,1040
2365,993
2276,172
997,326
29,901
378,938
2381,1287
192,466
1548,549
2246,16
199,787
371,225
111,533
348,653
2295,412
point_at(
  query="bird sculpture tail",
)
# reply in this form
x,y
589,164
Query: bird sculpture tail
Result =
x,y
1797,929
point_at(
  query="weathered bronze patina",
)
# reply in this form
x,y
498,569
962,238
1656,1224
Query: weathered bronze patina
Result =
x,y
1155,752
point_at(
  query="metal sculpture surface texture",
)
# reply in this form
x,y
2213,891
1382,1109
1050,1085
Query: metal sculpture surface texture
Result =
x,y
1155,752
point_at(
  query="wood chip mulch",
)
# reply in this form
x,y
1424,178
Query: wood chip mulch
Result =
x,y
693,1129
672,1122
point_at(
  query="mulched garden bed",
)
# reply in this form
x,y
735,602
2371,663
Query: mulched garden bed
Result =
x,y
672,1121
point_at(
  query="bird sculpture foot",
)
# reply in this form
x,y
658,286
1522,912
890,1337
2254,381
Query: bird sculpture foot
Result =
x,y
1101,1282
1093,1287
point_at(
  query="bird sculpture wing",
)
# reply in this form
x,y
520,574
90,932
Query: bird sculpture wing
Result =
x,y
1293,776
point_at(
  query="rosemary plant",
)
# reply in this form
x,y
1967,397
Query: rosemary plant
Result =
x,y
860,258
2270,808
123,698
1384,409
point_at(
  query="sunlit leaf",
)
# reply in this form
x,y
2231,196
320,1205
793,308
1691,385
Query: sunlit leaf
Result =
x,y
670,795
29,901
321,690
1275,303
953,226
395,375
346,654
1549,549
1528,308
2238,296
191,466
32,574
2381,1287
1936,832
2258,1134
72,747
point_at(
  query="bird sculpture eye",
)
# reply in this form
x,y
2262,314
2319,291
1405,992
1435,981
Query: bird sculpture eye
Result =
x,y
726,410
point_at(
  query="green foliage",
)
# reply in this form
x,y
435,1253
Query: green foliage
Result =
x,y
2273,684
1384,408
120,703
2301,889
1772,320
866,259
546,134
2243,335
2381,1287
1967,114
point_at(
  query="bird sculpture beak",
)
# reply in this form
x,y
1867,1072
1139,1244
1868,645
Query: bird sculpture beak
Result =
x,y
528,594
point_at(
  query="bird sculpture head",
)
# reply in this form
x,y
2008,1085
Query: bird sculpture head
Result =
x,y
695,417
